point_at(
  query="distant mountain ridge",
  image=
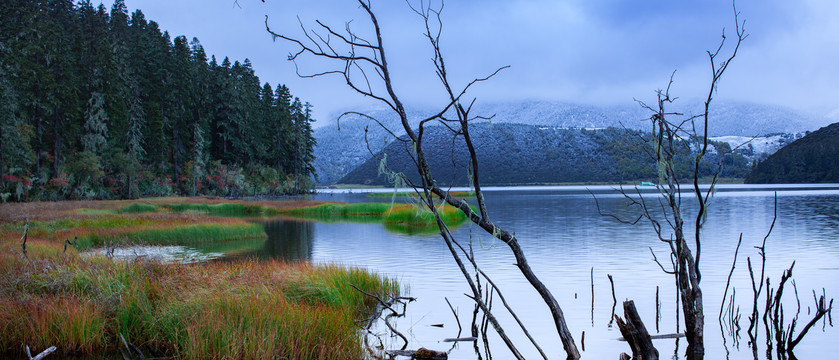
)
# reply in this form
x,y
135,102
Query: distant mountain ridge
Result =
x,y
339,152
512,154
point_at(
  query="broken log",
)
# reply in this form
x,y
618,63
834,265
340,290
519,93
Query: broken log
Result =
x,y
636,334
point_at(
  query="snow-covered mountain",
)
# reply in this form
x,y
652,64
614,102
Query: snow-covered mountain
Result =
x,y
343,147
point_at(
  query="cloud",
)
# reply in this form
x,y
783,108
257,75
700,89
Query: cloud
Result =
x,y
591,51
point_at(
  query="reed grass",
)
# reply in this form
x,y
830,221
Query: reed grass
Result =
x,y
223,209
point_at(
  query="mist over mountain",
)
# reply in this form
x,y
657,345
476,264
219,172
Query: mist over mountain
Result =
x,y
339,151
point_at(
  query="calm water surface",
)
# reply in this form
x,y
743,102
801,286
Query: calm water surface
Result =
x,y
565,241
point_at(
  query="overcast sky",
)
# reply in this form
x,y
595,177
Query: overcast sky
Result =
x,y
585,51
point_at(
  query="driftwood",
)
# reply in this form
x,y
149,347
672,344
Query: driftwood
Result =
x,y
636,334
44,353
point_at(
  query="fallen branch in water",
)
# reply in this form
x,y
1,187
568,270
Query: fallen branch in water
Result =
x,y
471,338
46,352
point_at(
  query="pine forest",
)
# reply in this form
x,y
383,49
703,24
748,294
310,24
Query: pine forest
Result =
x,y
103,104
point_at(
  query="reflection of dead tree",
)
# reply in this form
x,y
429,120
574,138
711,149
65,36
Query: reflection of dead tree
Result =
x,y
778,333
671,137
396,305
821,311
363,65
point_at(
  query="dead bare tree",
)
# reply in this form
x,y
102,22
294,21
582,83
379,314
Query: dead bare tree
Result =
x,y
674,133
363,65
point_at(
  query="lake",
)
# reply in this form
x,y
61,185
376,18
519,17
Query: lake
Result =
x,y
572,248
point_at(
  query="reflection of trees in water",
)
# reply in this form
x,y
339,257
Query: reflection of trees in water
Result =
x,y
288,240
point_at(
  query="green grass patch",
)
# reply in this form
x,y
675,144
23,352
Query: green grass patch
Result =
x,y
374,210
416,220
223,209
47,228
137,207
175,235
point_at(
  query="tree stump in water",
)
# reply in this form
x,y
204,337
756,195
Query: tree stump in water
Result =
x,y
636,334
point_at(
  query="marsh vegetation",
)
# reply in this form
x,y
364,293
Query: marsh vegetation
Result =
x,y
84,302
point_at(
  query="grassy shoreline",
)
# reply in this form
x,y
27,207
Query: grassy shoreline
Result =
x,y
246,309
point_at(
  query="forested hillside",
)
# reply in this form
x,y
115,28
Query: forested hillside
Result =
x,y
811,159
526,154
97,103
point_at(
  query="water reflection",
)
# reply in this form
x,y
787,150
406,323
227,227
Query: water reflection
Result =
x,y
289,240
574,249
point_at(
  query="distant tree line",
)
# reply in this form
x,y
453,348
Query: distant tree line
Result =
x,y
97,103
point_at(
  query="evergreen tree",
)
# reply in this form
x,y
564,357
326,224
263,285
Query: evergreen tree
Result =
x,y
96,128
63,90
224,111
198,163
135,150
283,138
